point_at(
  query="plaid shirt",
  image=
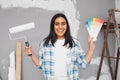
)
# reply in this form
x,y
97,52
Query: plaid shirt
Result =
x,y
75,58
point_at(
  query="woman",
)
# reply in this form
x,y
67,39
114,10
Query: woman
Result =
x,y
60,54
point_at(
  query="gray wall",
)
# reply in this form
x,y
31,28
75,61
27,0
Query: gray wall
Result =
x,y
117,6
10,17
95,8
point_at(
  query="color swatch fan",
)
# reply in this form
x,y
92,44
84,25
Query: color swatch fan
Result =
x,y
93,26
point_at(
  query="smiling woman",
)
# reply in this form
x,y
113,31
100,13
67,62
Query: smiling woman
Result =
x,y
60,26
59,29
59,53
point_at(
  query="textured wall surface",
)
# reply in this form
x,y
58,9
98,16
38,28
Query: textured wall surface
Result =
x,y
117,6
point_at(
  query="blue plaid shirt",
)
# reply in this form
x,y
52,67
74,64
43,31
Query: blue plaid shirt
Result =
x,y
75,58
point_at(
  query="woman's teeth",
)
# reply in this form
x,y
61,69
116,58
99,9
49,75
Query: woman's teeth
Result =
x,y
60,30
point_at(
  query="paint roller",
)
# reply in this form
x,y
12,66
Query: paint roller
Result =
x,y
21,28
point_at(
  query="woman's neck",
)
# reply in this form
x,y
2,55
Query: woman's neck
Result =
x,y
61,38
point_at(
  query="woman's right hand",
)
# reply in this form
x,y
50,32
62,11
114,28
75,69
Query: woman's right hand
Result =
x,y
28,51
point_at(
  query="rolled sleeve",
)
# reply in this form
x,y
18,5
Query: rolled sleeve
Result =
x,y
82,61
40,60
81,56
40,57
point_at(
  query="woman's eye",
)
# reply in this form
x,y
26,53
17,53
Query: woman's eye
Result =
x,y
56,23
64,23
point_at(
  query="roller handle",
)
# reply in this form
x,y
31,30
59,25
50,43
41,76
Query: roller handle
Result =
x,y
27,45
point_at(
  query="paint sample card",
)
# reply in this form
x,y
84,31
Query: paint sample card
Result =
x,y
93,26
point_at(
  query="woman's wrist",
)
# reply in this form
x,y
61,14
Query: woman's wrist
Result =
x,y
91,49
31,53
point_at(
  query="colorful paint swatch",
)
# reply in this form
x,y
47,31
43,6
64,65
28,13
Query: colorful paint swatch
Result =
x,y
93,26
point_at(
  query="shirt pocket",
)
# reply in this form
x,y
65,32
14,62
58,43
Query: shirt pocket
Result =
x,y
71,58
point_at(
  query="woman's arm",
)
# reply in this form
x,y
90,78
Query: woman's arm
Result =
x,y
29,51
91,47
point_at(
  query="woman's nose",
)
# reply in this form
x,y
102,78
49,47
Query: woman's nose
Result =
x,y
60,26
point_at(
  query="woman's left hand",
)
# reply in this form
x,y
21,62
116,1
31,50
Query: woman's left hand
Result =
x,y
91,47
91,44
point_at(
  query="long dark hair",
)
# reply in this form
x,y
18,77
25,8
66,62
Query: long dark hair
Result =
x,y
52,36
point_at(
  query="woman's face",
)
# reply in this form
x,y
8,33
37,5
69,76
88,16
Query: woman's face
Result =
x,y
60,27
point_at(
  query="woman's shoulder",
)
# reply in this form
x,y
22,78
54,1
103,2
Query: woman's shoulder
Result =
x,y
76,41
41,43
